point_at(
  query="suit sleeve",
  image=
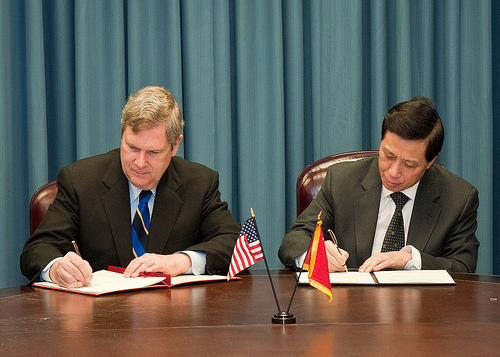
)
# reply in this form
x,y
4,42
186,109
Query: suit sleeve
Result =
x,y
298,238
218,230
54,234
459,250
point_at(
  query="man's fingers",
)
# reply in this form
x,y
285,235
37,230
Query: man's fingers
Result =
x,y
140,264
71,271
172,264
336,257
388,260
78,268
339,254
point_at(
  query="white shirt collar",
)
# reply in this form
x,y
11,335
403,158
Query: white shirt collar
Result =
x,y
411,192
135,191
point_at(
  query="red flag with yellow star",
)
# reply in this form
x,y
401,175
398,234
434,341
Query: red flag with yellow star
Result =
x,y
316,263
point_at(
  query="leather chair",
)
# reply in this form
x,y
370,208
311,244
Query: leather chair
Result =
x,y
311,178
40,202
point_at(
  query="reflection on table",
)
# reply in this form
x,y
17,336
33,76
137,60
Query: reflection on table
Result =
x,y
234,318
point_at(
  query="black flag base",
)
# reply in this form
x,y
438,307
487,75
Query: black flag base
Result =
x,y
284,318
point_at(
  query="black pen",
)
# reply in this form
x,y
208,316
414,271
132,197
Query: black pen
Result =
x,y
336,244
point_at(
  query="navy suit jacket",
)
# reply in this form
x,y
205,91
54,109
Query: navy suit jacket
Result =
x,y
92,206
442,225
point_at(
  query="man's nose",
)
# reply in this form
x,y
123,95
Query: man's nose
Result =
x,y
395,169
140,160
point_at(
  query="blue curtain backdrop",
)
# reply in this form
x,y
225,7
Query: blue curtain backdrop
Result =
x,y
266,87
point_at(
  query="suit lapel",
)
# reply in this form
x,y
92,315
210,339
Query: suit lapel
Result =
x,y
365,217
116,204
166,210
425,212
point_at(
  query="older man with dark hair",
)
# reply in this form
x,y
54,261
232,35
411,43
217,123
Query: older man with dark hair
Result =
x,y
399,210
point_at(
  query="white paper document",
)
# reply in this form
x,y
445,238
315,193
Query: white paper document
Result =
x,y
387,277
105,282
414,277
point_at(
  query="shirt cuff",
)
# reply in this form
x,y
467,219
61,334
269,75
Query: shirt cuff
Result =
x,y
44,275
416,260
299,261
198,261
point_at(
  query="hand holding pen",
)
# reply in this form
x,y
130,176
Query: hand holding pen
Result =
x,y
71,271
336,244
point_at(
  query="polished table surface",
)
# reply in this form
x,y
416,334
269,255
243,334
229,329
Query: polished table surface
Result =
x,y
234,318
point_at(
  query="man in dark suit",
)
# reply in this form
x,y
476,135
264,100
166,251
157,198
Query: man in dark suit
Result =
x,y
439,213
191,229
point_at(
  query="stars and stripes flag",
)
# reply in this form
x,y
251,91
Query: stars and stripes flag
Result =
x,y
316,263
247,250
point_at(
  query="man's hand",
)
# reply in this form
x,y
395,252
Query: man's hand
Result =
x,y
388,260
336,260
71,271
171,264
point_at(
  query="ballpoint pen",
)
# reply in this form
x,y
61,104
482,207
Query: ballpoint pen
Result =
x,y
77,251
336,244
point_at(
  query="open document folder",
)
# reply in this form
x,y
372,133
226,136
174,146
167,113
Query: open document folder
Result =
x,y
388,277
106,282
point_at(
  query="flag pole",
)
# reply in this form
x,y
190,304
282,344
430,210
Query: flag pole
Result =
x,y
297,278
282,317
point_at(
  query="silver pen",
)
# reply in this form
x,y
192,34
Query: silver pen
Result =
x,y
336,244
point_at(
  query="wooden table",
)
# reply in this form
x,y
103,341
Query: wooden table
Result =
x,y
234,319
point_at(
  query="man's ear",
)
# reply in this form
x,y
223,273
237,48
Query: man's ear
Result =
x,y
429,164
176,146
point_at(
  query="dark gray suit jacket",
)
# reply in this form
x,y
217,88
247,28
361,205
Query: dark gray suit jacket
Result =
x,y
442,226
92,206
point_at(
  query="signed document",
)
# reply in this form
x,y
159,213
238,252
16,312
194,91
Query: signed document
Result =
x,y
106,282
388,277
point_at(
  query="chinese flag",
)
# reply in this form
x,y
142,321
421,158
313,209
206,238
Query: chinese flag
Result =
x,y
316,263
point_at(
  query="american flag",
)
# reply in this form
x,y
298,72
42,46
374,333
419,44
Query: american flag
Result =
x,y
247,250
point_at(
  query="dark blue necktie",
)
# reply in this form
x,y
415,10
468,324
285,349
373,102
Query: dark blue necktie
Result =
x,y
140,225
395,235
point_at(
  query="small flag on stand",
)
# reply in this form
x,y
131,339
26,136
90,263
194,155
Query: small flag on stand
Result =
x,y
247,251
316,262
